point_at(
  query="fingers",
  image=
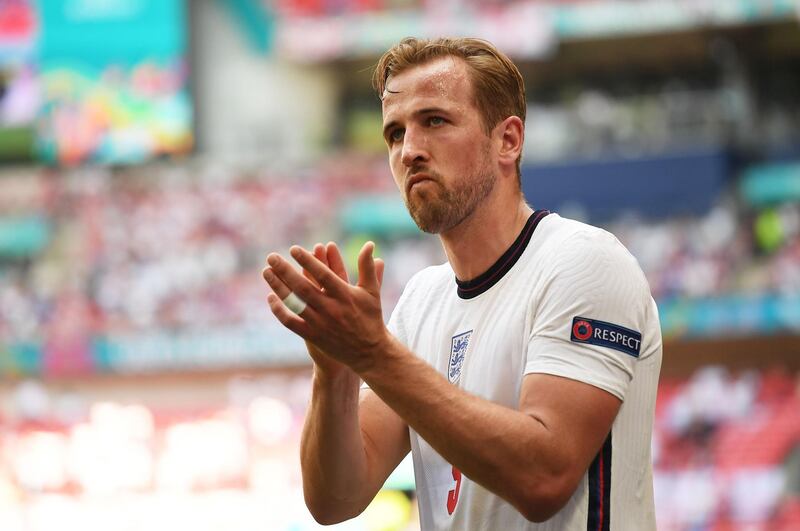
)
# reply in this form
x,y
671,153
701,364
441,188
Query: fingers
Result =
x,y
288,318
321,254
291,301
335,261
278,286
367,271
379,267
319,271
294,280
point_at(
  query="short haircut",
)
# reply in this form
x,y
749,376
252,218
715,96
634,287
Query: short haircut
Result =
x,y
497,85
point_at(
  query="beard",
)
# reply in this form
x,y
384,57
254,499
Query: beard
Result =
x,y
439,208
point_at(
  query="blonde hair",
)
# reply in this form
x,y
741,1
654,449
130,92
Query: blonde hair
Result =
x,y
498,88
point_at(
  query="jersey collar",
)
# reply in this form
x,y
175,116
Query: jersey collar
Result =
x,y
469,289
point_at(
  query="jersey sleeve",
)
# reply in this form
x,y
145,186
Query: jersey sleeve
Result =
x,y
589,317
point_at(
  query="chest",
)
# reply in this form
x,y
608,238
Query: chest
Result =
x,y
479,345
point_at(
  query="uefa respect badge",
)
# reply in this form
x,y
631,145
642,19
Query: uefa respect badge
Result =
x,y
605,334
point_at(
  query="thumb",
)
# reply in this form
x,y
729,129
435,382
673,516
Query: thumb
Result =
x,y
379,267
367,274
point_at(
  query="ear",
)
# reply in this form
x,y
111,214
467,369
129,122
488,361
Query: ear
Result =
x,y
511,135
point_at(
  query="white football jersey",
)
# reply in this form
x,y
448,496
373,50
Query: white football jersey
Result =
x,y
565,299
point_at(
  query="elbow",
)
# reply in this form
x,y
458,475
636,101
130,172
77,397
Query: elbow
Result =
x,y
537,513
329,512
325,516
541,502
321,514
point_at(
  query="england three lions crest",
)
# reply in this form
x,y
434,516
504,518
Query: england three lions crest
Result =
x,y
458,351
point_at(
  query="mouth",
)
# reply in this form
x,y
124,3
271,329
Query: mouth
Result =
x,y
416,179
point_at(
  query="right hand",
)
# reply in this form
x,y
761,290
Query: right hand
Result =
x,y
332,258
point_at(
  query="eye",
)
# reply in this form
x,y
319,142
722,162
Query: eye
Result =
x,y
396,135
436,121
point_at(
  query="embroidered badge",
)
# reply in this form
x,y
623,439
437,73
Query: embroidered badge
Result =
x,y
458,350
606,334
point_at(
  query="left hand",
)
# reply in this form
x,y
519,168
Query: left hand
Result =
x,y
345,321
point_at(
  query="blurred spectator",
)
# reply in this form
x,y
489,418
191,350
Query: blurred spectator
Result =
x,y
162,248
726,448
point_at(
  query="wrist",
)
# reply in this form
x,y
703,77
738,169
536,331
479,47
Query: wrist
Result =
x,y
335,394
339,379
381,355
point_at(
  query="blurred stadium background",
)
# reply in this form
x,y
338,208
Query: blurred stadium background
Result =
x,y
153,152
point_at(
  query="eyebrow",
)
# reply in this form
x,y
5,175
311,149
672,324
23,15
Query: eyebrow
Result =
x,y
419,112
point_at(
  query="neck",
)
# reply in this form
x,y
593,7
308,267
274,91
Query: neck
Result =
x,y
476,243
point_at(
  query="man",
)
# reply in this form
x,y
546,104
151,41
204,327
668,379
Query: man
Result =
x,y
521,374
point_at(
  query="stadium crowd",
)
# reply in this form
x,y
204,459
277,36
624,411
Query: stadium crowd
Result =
x,y
725,456
165,247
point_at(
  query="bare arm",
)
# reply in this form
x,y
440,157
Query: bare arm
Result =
x,y
351,441
533,457
348,449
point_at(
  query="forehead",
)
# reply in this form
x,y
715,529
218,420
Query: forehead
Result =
x,y
442,81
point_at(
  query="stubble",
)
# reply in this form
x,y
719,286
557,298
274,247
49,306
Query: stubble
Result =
x,y
443,207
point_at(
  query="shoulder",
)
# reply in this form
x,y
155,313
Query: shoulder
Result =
x,y
574,247
560,231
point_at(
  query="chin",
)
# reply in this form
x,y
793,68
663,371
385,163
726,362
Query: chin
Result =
x,y
428,229
425,223
432,223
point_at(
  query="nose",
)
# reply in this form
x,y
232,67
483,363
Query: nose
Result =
x,y
414,150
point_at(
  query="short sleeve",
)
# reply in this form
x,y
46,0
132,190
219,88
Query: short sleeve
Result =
x,y
590,314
